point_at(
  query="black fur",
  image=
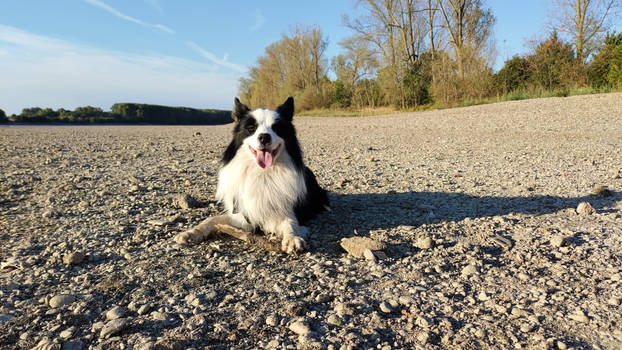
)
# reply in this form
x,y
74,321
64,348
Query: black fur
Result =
x,y
316,199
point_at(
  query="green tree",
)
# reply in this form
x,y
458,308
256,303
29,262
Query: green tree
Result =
x,y
3,118
614,76
598,70
512,75
553,66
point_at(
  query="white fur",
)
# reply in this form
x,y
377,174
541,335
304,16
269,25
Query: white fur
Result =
x,y
265,118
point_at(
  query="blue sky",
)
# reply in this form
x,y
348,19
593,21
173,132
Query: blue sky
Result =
x,y
69,53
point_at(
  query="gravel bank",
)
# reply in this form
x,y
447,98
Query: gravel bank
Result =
x,y
477,208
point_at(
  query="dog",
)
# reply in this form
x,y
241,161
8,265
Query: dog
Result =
x,y
263,182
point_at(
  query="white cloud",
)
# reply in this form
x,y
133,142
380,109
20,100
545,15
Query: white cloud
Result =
x,y
47,72
259,21
121,15
210,56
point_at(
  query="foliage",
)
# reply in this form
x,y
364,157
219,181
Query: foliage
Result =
x,y
513,75
3,118
124,113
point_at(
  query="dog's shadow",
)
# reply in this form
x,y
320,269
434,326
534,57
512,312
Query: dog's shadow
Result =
x,y
360,214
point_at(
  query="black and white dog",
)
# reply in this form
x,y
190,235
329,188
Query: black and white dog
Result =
x,y
263,181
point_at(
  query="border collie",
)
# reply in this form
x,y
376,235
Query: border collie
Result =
x,y
263,182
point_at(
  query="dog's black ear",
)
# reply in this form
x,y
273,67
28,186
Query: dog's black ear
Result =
x,y
286,110
239,110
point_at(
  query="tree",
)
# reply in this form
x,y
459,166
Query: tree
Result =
x,y
598,70
553,65
3,118
356,64
584,23
292,66
512,75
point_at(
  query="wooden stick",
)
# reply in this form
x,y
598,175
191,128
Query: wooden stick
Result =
x,y
249,237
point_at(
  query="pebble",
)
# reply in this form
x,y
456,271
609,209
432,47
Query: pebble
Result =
x,y
271,320
46,344
334,320
184,201
385,307
424,243
579,316
144,309
114,313
369,255
61,300
585,208
557,241
422,322
6,317
527,327
469,270
561,345
67,333
602,191
113,327
74,258
299,327
613,301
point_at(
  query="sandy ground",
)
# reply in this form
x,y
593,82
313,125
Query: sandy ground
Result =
x,y
477,207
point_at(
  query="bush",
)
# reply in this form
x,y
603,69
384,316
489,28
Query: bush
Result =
x,y
513,75
614,76
598,70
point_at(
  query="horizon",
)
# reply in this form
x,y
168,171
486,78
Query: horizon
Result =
x,y
97,53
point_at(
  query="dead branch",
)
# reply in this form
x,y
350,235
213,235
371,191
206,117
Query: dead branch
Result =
x,y
249,237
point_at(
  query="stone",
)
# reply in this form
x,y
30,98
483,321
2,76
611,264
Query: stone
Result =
x,y
333,320
144,309
114,313
585,208
369,255
46,344
557,241
299,327
74,258
113,327
356,246
469,270
6,318
385,307
61,300
424,243
184,201
579,316
613,301
561,345
67,333
271,320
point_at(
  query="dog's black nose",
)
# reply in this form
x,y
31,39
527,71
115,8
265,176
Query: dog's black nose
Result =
x,y
264,139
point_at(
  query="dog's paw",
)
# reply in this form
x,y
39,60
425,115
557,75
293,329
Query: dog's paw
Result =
x,y
293,244
189,237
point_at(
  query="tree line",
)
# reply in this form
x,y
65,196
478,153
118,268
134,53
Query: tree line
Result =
x,y
122,113
409,53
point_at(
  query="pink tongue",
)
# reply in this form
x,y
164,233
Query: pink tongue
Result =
x,y
264,159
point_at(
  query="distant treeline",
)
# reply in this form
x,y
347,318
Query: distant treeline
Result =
x,y
121,113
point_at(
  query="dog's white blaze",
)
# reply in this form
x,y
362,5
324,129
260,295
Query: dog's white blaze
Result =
x,y
265,118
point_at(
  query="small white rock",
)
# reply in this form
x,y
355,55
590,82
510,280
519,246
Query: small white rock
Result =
x,y
299,327
584,208
114,313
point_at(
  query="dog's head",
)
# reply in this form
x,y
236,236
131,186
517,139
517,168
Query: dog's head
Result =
x,y
264,135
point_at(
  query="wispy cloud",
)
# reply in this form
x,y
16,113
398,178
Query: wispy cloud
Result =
x,y
259,21
210,56
156,4
42,71
102,5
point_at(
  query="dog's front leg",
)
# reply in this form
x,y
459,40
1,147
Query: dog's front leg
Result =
x,y
207,228
290,232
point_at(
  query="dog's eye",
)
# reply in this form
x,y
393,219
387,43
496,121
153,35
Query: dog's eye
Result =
x,y
251,128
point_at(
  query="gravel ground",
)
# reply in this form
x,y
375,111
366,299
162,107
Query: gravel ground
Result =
x,y
477,208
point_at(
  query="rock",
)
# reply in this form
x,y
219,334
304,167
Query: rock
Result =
x,y
469,270
113,327
114,313
585,208
527,327
343,309
385,307
613,301
333,320
74,258
602,191
579,316
424,243
46,344
356,246
561,345
184,201
61,300
557,241
369,255
67,333
271,320
144,309
73,345
422,322
300,328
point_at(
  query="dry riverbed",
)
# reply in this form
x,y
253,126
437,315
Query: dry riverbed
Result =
x,y
477,208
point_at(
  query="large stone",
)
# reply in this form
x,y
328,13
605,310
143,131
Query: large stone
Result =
x,y
356,246
61,300
113,327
